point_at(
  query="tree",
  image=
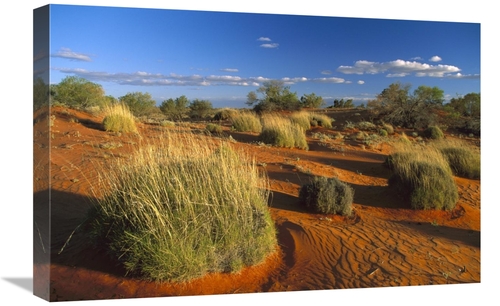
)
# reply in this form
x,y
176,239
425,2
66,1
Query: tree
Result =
x,y
200,109
175,109
41,92
140,104
468,105
311,100
276,96
79,93
397,106
343,104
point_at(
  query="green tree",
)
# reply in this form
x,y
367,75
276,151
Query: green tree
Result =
x,y
77,92
276,96
396,105
175,109
312,101
468,105
139,103
41,92
200,109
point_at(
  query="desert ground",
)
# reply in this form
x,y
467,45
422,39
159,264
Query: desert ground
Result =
x,y
385,243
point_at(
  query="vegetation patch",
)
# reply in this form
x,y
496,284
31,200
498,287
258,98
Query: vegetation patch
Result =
x,y
183,207
282,132
118,118
327,196
423,178
247,122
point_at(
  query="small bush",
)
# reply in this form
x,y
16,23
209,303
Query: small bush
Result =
x,y
181,208
425,185
322,120
302,119
118,118
282,132
327,196
247,122
366,125
214,128
422,176
389,128
225,114
383,132
433,132
463,159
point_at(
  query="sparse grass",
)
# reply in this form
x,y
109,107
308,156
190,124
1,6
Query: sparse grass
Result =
x,y
422,176
182,207
327,196
214,128
366,126
282,132
225,114
118,118
247,122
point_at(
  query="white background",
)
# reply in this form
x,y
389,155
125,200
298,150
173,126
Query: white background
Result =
x,y
16,149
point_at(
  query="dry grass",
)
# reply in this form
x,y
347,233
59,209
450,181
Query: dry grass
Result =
x,y
118,118
282,132
181,207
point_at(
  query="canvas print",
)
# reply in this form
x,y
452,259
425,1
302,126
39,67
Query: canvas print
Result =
x,y
187,153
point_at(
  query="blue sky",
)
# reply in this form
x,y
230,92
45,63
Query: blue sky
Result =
x,y
221,56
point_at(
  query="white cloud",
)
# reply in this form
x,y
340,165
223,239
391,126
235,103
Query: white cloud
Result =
x,y
463,76
229,70
435,58
398,68
329,80
68,54
416,58
270,46
361,82
264,39
326,72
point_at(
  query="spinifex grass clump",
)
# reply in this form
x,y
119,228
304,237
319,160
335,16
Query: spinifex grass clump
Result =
x,y
423,177
118,118
247,122
327,196
433,132
181,208
302,118
321,120
282,132
463,159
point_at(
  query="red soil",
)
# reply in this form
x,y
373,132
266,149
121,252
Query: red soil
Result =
x,y
386,243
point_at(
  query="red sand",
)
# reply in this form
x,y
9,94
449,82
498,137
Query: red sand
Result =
x,y
386,243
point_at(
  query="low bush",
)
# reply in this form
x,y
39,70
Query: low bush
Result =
x,y
433,132
282,132
118,118
327,196
389,128
302,118
214,128
422,176
463,159
225,114
383,132
247,122
182,207
321,120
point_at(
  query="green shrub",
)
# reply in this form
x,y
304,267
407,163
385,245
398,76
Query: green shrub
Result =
x,y
282,132
422,176
214,128
322,120
425,185
433,132
383,132
118,118
302,119
181,208
463,159
389,128
225,114
327,196
247,122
